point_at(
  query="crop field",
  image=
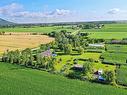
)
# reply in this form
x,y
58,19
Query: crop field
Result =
x,y
115,54
115,58
22,41
117,48
16,80
122,75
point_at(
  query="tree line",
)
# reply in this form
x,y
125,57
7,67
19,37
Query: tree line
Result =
x,y
26,58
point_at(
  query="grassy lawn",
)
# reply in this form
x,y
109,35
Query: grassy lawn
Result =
x,y
104,67
16,80
94,56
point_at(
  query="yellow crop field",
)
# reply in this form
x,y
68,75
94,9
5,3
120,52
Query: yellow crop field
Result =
x,y
21,41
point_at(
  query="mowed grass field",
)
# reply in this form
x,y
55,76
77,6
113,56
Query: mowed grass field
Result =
x,y
110,31
22,41
16,80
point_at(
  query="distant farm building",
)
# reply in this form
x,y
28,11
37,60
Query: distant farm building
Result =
x,y
78,67
97,45
46,53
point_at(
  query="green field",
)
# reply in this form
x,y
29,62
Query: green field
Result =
x,y
108,35
117,48
16,80
110,31
122,75
65,58
115,54
94,56
110,28
36,29
115,58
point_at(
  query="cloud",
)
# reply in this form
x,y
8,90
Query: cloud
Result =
x,y
17,13
27,14
10,9
114,11
17,10
62,12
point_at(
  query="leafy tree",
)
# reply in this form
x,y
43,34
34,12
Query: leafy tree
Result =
x,y
43,47
110,76
38,59
76,41
17,57
80,50
87,68
68,49
74,75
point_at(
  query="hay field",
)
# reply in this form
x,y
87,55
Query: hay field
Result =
x,y
21,41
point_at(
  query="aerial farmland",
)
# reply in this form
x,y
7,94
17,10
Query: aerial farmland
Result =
x,y
58,47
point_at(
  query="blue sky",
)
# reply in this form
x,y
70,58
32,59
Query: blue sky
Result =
x,y
44,11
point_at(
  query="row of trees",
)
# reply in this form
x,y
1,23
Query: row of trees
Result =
x,y
91,26
26,58
2,33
